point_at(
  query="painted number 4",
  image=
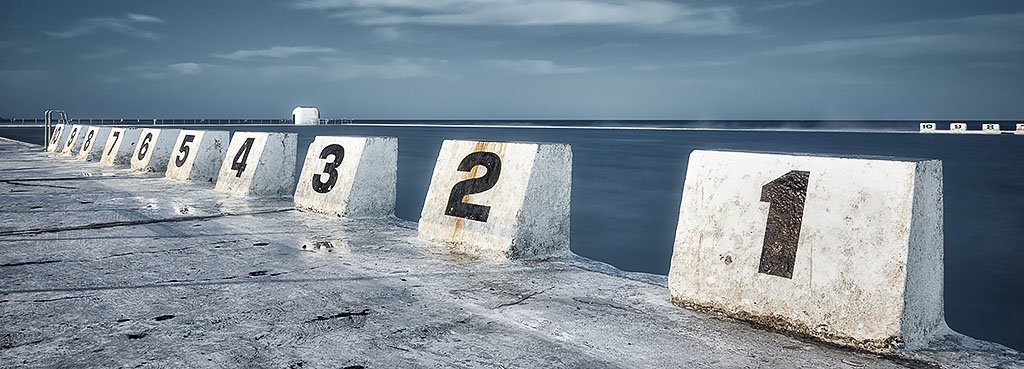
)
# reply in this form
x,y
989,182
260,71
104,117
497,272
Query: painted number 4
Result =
x,y
786,196
238,163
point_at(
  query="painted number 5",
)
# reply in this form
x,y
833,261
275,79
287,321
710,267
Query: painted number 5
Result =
x,y
786,196
331,168
456,207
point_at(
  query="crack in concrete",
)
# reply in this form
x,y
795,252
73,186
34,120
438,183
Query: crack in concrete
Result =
x,y
129,223
18,183
522,299
344,314
30,263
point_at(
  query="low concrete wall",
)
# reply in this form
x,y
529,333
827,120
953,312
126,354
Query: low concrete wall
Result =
x,y
95,140
153,150
120,145
258,164
197,155
509,200
352,177
848,250
73,141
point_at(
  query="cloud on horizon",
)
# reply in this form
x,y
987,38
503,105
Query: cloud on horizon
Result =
x,y
126,25
275,52
648,15
534,67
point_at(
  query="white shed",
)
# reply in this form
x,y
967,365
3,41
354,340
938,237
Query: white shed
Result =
x,y
306,115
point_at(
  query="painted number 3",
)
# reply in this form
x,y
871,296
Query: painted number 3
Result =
x,y
786,196
456,207
330,169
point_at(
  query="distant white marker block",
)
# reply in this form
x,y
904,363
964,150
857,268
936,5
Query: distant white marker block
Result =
x,y
351,177
498,199
153,150
990,128
94,141
58,137
1019,130
120,145
258,164
848,250
927,128
197,155
73,141
958,127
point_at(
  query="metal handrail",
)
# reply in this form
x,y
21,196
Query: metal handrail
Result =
x,y
48,124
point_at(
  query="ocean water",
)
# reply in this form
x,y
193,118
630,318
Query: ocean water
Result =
x,y
628,179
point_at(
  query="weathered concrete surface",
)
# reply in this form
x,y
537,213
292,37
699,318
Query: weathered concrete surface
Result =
x,y
258,164
120,145
500,199
353,177
846,249
153,150
160,274
73,141
95,141
58,136
196,155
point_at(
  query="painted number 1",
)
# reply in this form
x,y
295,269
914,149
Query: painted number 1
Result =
x,y
238,163
456,207
786,196
331,168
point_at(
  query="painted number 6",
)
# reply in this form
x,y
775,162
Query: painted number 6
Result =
x,y
144,147
331,168
456,207
786,196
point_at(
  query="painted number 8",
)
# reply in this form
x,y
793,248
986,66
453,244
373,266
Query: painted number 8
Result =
x,y
331,168
88,140
456,207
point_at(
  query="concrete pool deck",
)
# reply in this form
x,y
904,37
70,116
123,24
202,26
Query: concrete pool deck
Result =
x,y
103,268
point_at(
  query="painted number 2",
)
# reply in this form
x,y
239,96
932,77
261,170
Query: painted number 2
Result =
x,y
786,196
456,207
330,169
179,160
238,163
144,146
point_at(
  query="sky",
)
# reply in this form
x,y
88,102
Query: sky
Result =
x,y
515,59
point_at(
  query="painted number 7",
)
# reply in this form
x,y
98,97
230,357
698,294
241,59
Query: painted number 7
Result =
x,y
786,196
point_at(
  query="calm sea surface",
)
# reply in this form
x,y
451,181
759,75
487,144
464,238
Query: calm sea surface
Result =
x,y
627,187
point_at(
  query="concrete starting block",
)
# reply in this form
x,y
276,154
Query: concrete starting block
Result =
x,y
197,155
351,177
820,246
153,150
508,200
57,138
95,140
1019,130
120,145
258,164
927,128
74,140
958,127
991,128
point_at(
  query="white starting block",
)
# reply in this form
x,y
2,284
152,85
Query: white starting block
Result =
x,y
991,128
197,155
58,136
74,140
508,200
258,164
927,128
153,150
120,145
821,246
92,147
1019,130
351,177
958,127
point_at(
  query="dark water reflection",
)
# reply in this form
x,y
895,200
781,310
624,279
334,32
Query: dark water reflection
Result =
x,y
627,188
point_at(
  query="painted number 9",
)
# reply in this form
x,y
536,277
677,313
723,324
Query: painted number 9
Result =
x,y
331,168
456,207
144,147
786,196
179,160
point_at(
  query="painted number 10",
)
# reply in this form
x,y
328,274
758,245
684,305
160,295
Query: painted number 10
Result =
x,y
456,207
786,196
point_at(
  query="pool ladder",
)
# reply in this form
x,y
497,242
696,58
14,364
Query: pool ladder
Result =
x,y
62,119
